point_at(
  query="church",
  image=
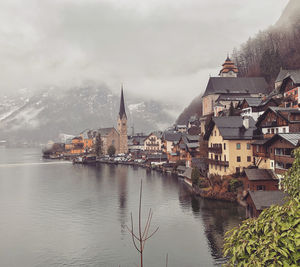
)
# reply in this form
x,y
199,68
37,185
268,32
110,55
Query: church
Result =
x,y
116,137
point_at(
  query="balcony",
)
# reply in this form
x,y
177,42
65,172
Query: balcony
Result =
x,y
218,162
215,149
270,124
284,158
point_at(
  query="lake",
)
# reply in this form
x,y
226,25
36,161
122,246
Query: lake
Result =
x,y
54,213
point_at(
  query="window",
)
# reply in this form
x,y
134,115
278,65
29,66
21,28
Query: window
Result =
x,y
284,130
220,168
268,130
215,133
272,131
224,146
276,130
224,157
248,146
237,170
248,159
238,146
261,187
224,168
238,159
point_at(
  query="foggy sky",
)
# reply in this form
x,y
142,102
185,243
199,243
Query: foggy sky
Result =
x,y
158,48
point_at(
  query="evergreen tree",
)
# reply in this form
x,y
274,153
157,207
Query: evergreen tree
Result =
x,y
111,150
98,145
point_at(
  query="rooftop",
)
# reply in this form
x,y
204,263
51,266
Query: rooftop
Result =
x,y
260,174
246,85
265,199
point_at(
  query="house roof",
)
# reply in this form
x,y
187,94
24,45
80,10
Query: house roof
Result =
x,y
260,174
106,131
281,112
246,85
231,128
232,97
253,101
260,142
172,136
283,74
292,138
265,199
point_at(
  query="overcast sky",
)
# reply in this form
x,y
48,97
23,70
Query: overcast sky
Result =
x,y
157,48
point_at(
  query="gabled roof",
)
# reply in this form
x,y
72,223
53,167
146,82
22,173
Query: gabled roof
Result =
x,y
292,138
281,112
246,85
106,131
158,134
171,136
231,128
265,199
283,74
253,101
260,174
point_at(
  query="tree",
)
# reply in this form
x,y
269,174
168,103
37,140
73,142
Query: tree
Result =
x,y
273,239
139,239
195,176
98,145
111,150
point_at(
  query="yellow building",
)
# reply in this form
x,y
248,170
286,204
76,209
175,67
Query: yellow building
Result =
x,y
229,144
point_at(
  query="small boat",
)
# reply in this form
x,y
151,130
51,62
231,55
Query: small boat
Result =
x,y
78,160
89,159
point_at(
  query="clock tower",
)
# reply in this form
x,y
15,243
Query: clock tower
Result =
x,y
122,126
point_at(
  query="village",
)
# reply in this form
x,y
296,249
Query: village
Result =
x,y
238,150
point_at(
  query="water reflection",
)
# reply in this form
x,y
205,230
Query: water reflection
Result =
x,y
218,217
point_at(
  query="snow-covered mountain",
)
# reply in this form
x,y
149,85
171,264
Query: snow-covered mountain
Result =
x,y
39,117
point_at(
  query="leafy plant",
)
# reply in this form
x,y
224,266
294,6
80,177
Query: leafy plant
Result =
x,y
273,239
195,176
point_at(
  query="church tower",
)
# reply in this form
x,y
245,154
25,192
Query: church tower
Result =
x,y
122,126
229,69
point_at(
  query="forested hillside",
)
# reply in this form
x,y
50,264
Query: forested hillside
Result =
x,y
265,53
278,46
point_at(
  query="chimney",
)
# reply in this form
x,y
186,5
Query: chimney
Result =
x,y
246,122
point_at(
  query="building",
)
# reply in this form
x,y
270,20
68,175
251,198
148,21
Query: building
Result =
x,y
290,89
280,151
229,83
169,139
136,142
282,76
88,137
260,179
228,69
229,144
153,142
257,201
255,106
279,120
122,127
110,137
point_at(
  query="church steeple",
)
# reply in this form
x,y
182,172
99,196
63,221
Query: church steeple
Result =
x,y
229,69
122,126
122,105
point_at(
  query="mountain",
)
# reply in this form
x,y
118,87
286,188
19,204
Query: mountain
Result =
x,y
264,54
290,14
193,109
38,117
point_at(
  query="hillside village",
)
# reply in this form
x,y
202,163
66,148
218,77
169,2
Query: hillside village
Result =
x,y
238,150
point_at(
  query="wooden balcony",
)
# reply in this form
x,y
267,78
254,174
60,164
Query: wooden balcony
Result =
x,y
215,149
218,162
284,158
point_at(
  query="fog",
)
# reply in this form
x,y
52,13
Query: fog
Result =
x,y
157,49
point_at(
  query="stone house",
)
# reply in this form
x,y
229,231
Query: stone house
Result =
x,y
153,142
110,137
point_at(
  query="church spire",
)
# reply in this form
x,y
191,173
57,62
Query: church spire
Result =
x,y
122,105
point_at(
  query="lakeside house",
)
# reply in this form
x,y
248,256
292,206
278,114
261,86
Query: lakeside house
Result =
x,y
229,144
257,201
153,142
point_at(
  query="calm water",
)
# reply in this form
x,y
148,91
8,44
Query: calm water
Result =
x,y
57,214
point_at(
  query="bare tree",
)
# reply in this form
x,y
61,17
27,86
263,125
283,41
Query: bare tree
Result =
x,y
139,239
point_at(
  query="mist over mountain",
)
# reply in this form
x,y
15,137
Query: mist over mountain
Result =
x,y
38,117
264,54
